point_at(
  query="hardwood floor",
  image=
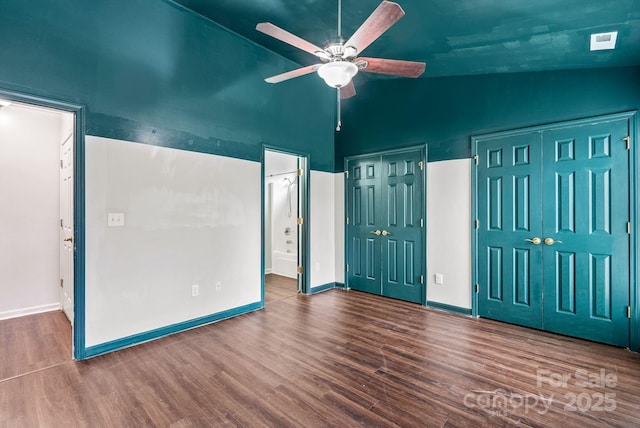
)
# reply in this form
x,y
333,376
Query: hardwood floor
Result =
x,y
338,358
277,287
33,343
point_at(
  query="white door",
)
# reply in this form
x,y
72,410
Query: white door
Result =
x,y
67,247
301,185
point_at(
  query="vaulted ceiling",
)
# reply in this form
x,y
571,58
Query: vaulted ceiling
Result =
x,y
454,37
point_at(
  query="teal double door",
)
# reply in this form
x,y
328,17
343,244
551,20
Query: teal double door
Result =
x,y
553,243
385,217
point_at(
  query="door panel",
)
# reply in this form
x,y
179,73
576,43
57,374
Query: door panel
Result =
x,y
364,249
401,254
385,202
301,197
586,274
67,246
510,212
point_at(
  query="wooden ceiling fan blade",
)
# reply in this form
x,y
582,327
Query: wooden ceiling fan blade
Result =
x,y
394,67
283,35
347,91
291,74
385,15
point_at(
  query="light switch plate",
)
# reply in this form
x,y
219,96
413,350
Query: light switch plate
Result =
x,y
115,219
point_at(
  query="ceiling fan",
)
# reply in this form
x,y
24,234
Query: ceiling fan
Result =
x,y
340,60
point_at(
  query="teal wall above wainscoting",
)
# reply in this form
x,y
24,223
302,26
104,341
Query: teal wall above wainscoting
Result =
x,y
153,72
445,112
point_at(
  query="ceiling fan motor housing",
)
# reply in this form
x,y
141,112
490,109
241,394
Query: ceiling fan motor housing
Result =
x,y
338,51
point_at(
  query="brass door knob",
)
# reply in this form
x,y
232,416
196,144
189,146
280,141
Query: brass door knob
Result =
x,y
551,241
534,241
376,232
385,233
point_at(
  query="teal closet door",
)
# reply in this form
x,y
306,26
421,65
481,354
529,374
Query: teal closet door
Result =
x,y
586,210
364,210
552,243
510,218
385,235
401,239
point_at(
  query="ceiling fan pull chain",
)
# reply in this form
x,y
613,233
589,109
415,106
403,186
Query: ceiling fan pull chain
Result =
x,y
339,125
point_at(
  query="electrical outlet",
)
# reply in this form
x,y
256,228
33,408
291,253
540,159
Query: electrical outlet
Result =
x,y
218,285
195,290
439,278
115,219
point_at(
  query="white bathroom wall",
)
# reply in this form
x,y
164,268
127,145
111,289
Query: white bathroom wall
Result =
x,y
190,218
449,232
29,210
281,249
283,226
339,218
284,213
322,228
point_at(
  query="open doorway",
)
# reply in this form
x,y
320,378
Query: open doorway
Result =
x,y
285,228
37,225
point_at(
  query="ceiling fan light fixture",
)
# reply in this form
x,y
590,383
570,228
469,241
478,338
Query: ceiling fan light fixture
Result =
x,y
338,73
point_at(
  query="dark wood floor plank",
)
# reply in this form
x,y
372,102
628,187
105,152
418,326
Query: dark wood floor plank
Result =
x,y
33,342
339,358
278,287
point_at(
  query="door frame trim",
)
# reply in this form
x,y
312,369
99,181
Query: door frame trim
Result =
x,y
634,214
304,234
425,148
79,111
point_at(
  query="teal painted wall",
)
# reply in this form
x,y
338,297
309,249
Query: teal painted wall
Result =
x,y
445,112
149,71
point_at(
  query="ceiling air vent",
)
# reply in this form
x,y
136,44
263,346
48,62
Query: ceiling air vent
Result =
x,y
603,41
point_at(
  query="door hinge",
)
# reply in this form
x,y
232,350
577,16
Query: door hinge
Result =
x,y
477,223
300,270
476,159
347,268
628,228
421,165
300,220
477,288
61,283
421,222
347,220
421,279
61,223
61,164
346,173
629,312
299,171
628,141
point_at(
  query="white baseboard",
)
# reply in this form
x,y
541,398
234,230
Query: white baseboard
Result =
x,y
15,313
268,271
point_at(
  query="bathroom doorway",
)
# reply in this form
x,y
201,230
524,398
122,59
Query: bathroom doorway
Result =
x,y
36,252
285,224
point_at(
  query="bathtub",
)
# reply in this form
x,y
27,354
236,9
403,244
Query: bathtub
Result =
x,y
284,264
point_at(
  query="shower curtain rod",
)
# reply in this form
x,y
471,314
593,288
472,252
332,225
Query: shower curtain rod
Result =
x,y
283,173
